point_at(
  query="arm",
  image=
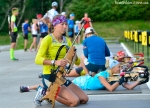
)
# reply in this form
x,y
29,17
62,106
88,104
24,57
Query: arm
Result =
x,y
85,49
43,20
130,86
90,22
29,28
12,26
40,57
107,85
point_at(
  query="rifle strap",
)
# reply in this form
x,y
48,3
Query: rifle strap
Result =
x,y
52,77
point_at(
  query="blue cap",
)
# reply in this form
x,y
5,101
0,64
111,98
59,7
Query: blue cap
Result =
x,y
113,63
72,15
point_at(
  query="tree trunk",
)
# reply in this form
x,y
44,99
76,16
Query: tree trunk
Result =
x,y
22,13
62,2
7,12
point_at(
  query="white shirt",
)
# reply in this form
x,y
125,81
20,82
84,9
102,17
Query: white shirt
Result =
x,y
34,31
50,14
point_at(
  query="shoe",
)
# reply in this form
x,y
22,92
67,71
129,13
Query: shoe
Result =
x,y
24,89
39,95
40,75
25,50
14,59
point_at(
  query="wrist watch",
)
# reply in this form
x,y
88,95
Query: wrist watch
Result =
x,y
52,62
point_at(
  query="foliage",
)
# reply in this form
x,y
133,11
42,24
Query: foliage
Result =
x,y
110,10
98,10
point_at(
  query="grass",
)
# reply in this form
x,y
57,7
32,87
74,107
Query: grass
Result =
x,y
107,30
5,40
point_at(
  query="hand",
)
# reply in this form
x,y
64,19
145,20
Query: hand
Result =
x,y
144,81
122,80
62,63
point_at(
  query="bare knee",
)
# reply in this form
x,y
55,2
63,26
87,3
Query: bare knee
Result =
x,y
84,100
74,102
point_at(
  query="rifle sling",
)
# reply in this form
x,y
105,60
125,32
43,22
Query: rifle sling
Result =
x,y
53,71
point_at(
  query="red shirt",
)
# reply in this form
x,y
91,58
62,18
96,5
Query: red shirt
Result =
x,y
87,23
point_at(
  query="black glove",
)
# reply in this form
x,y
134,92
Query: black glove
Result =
x,y
144,81
122,80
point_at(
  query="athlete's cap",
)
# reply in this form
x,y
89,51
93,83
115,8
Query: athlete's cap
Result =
x,y
72,15
39,16
113,63
54,4
77,22
89,30
63,13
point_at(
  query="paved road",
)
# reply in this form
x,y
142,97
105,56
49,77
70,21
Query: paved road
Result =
x,y
25,72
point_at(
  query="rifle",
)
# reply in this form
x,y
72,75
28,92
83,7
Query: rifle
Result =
x,y
60,72
134,74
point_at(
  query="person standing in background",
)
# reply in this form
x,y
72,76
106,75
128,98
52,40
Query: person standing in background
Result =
x,y
34,30
77,27
88,23
13,33
71,26
52,12
39,16
26,29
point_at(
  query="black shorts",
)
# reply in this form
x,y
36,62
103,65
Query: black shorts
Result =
x,y
77,33
43,34
79,70
67,83
93,67
34,35
47,76
26,36
13,36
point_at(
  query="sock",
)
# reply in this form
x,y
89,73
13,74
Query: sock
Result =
x,y
11,53
28,87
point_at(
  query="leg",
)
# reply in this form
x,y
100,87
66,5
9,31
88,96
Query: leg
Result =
x,y
39,43
72,73
25,44
34,87
13,37
82,63
80,94
67,97
28,88
34,42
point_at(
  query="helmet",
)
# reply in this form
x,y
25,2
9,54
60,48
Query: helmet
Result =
x,y
72,15
54,4
63,13
121,53
39,16
89,30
